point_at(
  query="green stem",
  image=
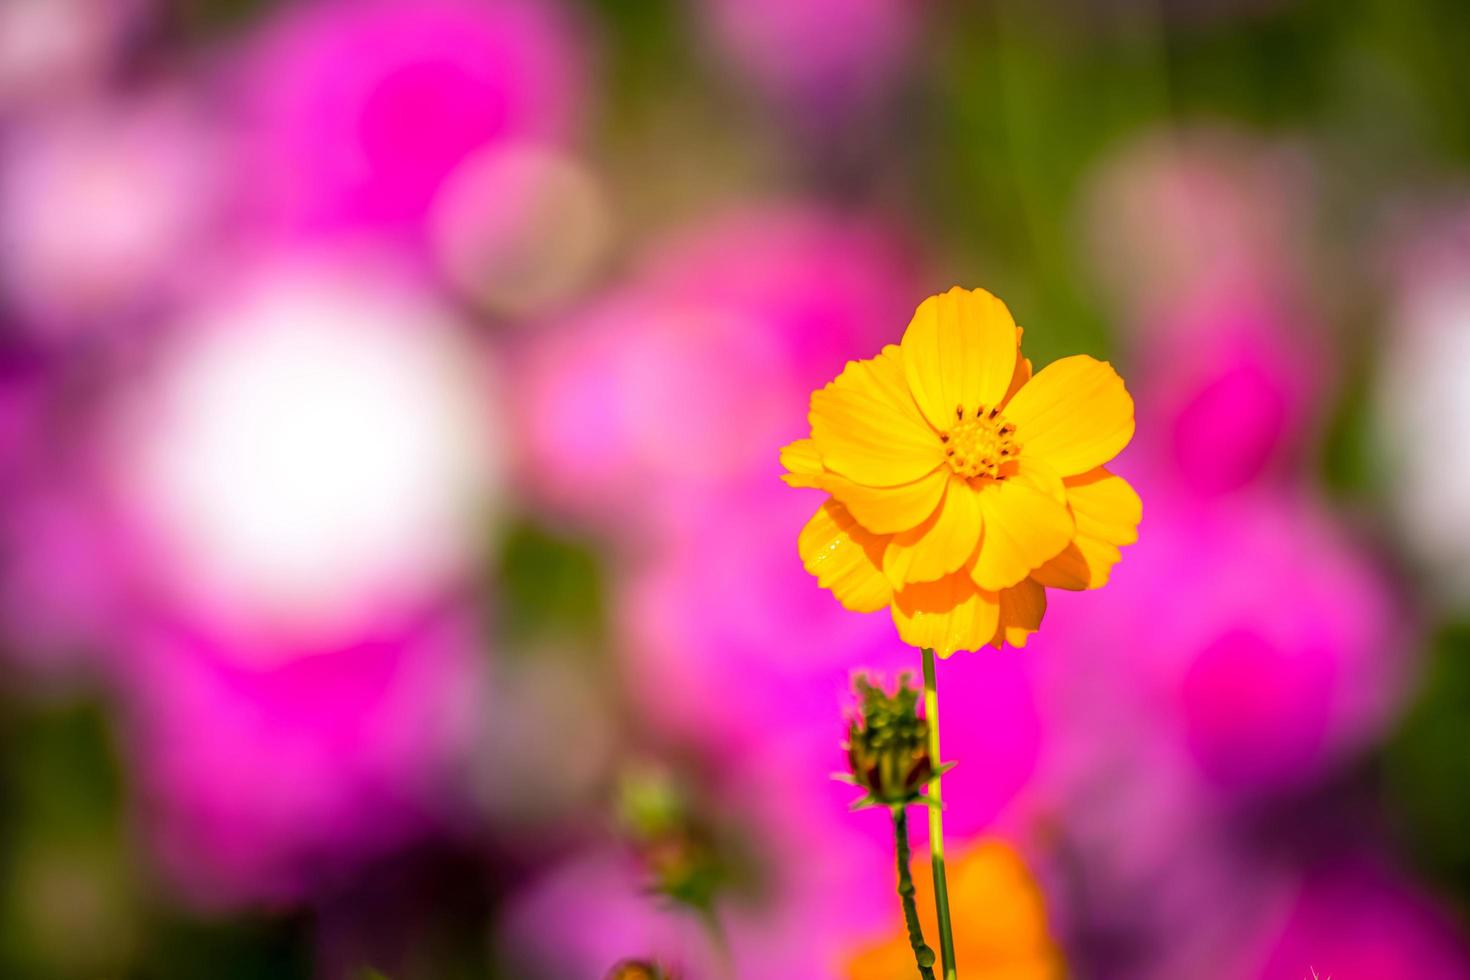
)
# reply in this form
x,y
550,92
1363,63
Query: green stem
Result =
x,y
923,955
936,822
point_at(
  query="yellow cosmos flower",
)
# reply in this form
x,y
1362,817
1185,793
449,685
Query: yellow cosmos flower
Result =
x,y
1000,927
962,486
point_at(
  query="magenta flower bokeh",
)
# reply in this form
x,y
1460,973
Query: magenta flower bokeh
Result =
x,y
357,113
100,210
729,645
300,676
816,888
390,396
789,50
267,774
1286,653
628,405
62,52
1359,917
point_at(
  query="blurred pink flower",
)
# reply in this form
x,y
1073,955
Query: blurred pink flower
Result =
x,y
266,773
1357,918
103,211
732,652
640,400
1149,876
725,644
729,644
1280,651
363,482
55,51
1198,234
820,886
63,595
266,529
22,386
1247,653
1234,382
819,282
63,576
686,376
815,56
520,227
605,892
1179,213
359,111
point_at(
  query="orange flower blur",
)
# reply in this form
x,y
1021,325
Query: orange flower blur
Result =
x,y
961,486
1000,924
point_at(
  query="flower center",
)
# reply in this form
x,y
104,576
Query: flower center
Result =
x,y
979,442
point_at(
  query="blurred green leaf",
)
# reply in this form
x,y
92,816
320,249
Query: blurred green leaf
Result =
x,y
1348,468
548,586
247,947
205,17
65,861
1427,765
643,49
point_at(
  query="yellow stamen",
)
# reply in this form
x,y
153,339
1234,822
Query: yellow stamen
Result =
x,y
979,443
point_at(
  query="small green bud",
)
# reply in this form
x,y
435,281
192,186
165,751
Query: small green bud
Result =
x,y
887,744
677,847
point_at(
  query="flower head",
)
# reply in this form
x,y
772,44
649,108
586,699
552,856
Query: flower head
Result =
x,y
961,486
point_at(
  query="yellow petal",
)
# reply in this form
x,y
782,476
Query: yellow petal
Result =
x,y
844,558
888,510
1021,610
1073,415
1026,523
940,545
885,510
1086,563
948,615
1105,506
867,427
959,352
803,464
1108,512
1021,375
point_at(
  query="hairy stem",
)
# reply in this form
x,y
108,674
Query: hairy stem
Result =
x,y
923,955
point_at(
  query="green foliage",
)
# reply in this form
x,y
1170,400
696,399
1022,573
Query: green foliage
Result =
x,y
548,586
75,904
1427,766
238,948
687,859
64,861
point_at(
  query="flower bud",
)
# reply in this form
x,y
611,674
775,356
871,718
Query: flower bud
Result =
x,y
637,970
887,745
678,847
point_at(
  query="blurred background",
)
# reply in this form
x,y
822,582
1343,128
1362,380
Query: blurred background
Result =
x,y
394,575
